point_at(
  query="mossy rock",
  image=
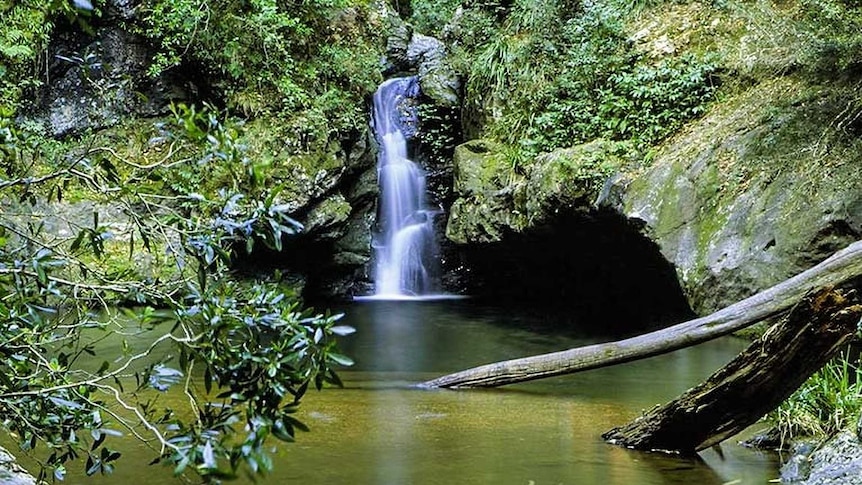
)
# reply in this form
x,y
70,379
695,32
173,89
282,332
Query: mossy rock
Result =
x,y
486,208
496,198
325,220
761,188
569,178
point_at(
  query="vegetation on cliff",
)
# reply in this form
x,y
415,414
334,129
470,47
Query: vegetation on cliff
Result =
x,y
152,212
731,128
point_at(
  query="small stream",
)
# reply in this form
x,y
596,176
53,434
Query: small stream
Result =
x,y
379,430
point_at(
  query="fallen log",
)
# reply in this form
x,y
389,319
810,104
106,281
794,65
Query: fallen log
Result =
x,y
839,268
753,383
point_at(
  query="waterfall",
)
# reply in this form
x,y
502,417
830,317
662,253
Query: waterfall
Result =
x,y
405,250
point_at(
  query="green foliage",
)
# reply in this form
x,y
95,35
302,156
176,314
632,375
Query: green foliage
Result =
x,y
827,402
215,145
835,27
260,353
257,349
311,63
555,74
429,17
638,102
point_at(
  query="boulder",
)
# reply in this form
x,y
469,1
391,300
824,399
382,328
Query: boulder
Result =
x,y
486,207
496,198
438,79
756,191
839,460
409,51
95,82
569,179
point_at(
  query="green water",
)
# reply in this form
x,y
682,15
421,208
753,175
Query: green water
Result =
x,y
378,430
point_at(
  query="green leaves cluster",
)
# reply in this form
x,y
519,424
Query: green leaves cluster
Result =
x,y
835,29
243,353
554,74
259,352
310,63
26,29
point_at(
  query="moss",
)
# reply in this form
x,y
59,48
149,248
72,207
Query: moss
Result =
x,y
758,189
332,211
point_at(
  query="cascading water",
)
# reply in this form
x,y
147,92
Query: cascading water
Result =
x,y
405,247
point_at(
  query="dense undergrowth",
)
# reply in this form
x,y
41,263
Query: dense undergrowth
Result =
x,y
189,191
308,68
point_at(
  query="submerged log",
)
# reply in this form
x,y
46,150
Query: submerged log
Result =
x,y
836,270
753,383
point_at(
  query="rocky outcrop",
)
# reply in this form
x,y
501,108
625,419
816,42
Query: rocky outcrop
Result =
x,y
758,190
11,473
438,79
409,51
338,212
839,460
96,81
495,198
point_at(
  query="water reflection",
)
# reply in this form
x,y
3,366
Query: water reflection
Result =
x,y
379,430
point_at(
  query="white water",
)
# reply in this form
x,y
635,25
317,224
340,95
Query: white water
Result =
x,y
404,249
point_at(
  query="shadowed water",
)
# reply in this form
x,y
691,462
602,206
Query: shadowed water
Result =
x,y
380,430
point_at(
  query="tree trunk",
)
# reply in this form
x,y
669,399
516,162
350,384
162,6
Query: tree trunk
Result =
x,y
752,384
838,269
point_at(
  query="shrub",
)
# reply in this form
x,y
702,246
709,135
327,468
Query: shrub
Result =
x,y
826,403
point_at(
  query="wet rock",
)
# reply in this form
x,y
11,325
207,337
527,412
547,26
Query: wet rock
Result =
x,y
411,52
769,439
124,9
11,473
838,461
397,43
95,82
438,79
798,466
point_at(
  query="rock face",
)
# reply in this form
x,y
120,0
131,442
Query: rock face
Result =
x,y
95,82
759,189
336,206
533,234
436,77
494,199
755,192
408,51
839,460
352,214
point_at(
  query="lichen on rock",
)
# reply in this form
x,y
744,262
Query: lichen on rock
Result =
x,y
758,190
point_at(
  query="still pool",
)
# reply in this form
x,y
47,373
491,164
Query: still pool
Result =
x,y
380,430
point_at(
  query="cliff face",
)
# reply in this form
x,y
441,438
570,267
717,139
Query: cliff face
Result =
x,y
765,183
99,89
737,172
762,187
